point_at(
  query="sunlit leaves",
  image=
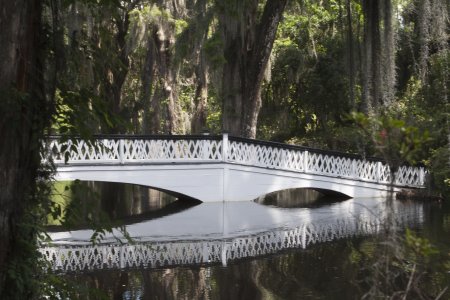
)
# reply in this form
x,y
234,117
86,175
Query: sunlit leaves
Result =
x,y
395,140
79,112
419,247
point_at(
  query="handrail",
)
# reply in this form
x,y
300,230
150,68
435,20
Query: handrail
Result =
x,y
141,137
231,149
304,148
216,137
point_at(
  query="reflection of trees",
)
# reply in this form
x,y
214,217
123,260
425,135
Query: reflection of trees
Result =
x,y
290,198
322,271
124,200
108,202
301,197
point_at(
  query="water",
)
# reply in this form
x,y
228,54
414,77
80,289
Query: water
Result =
x,y
292,245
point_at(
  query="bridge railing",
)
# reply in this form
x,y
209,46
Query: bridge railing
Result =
x,y
321,162
136,149
124,149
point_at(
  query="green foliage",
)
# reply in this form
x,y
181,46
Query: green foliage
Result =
x,y
78,112
213,49
306,81
396,141
440,170
418,248
400,267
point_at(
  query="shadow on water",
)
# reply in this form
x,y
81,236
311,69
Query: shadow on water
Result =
x,y
300,198
121,203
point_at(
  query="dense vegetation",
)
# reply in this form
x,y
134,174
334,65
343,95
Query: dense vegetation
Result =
x,y
282,70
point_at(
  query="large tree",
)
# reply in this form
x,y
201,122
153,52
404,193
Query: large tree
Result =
x,y
248,38
23,116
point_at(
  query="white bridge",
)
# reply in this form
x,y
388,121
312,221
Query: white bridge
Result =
x,y
223,168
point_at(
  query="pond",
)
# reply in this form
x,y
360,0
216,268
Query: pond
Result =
x,y
294,244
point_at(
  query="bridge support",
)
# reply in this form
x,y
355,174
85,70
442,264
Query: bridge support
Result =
x,y
219,182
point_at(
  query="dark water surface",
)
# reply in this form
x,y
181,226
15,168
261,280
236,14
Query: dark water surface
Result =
x,y
290,245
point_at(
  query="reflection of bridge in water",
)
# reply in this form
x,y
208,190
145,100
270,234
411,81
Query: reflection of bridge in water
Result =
x,y
201,235
222,168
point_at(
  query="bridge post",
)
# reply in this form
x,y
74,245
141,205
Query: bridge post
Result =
x,y
121,151
303,241
225,167
204,147
354,172
422,176
305,161
223,254
122,257
379,166
205,253
283,159
224,146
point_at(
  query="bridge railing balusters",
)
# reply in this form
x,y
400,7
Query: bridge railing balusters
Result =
x,y
154,149
320,162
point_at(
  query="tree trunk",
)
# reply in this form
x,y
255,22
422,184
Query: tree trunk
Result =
x,y
200,101
424,14
147,78
198,123
164,38
389,78
23,116
372,57
259,56
248,45
115,76
351,54
121,71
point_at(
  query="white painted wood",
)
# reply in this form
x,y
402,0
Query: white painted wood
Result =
x,y
219,182
225,147
223,170
202,181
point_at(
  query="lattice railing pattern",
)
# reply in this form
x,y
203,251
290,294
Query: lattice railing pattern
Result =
x,y
158,254
134,150
240,151
105,150
318,162
151,150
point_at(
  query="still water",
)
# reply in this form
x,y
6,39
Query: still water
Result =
x,y
293,244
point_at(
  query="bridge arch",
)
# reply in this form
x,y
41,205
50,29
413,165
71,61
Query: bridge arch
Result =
x,y
308,193
179,196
